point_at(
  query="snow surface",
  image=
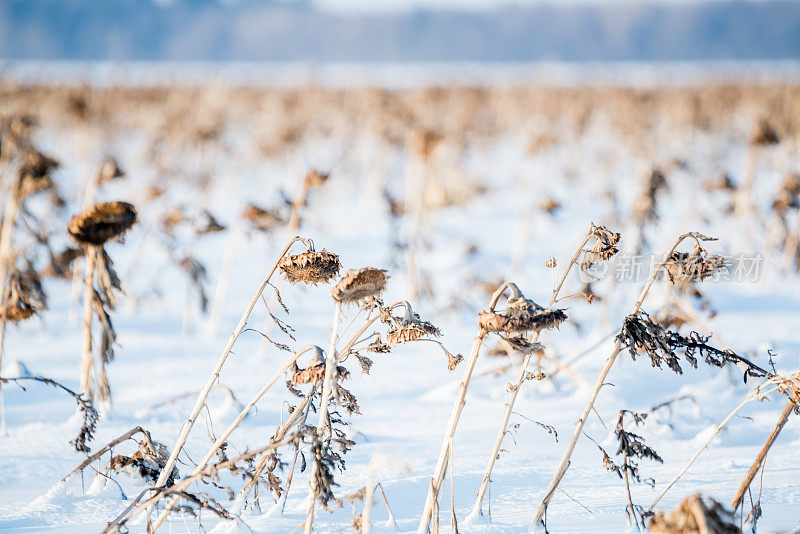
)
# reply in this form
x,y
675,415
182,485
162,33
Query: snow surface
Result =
x,y
406,399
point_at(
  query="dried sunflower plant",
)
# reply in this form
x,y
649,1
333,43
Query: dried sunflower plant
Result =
x,y
521,318
632,448
522,336
640,335
319,448
92,229
22,295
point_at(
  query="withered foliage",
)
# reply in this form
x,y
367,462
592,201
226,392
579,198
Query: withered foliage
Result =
x,y
324,464
632,446
788,196
262,219
198,277
205,223
34,174
521,315
102,222
695,516
640,335
61,264
523,345
145,464
25,295
310,267
89,415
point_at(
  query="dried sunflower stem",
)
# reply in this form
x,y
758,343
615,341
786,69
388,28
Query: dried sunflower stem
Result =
x,y
201,399
753,396
561,470
631,512
6,236
3,321
88,294
111,444
441,464
477,509
278,439
330,364
751,473
225,435
302,408
290,478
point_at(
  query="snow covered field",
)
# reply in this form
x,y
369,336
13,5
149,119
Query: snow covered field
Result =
x,y
453,190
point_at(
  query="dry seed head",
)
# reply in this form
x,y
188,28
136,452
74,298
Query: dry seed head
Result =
x,y
551,262
605,246
695,266
310,374
764,134
359,284
411,330
694,516
263,220
311,267
102,222
110,170
520,315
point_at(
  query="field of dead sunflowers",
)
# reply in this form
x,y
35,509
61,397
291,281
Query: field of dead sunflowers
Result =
x,y
493,308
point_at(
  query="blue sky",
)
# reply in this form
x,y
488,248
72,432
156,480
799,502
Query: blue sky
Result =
x,y
402,5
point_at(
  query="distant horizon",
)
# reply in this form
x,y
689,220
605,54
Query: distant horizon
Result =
x,y
157,73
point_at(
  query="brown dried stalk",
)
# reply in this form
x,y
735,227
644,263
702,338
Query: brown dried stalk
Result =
x,y
773,435
431,501
756,395
242,414
565,460
603,240
201,398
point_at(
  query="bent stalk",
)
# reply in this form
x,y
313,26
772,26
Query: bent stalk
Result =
x,y
221,440
751,473
201,398
720,426
562,467
477,509
330,364
441,464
